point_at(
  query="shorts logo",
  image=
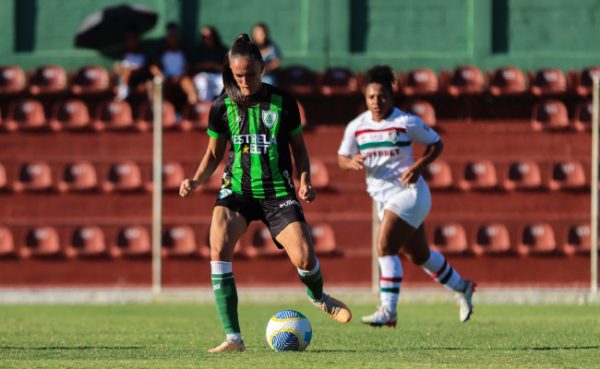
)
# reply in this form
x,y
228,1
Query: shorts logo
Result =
x,y
288,203
224,193
269,118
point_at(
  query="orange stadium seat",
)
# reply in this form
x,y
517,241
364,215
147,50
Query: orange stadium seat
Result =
x,y
196,116
419,82
583,117
584,80
71,114
259,242
319,174
537,239
3,179
492,239
123,176
133,241
450,238
172,175
338,81
578,240
47,80
423,109
567,175
438,175
508,80
7,245
179,241
25,114
298,80
78,176
323,239
548,81
87,241
466,80
479,175
145,118
90,80
33,176
113,115
551,115
41,241
523,175
12,80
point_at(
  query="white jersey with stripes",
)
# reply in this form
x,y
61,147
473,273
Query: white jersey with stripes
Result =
x,y
386,147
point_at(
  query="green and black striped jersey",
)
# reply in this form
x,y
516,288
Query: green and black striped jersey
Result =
x,y
259,164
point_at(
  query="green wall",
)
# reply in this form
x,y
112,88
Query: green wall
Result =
x,y
354,33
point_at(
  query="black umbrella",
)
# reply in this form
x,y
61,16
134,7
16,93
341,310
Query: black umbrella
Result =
x,y
109,26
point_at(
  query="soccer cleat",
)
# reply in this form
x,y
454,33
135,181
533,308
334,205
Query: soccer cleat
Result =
x,y
382,317
335,308
465,301
229,345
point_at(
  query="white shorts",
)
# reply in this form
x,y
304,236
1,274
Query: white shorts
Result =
x,y
411,203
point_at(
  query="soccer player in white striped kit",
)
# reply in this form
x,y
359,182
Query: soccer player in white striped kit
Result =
x,y
380,142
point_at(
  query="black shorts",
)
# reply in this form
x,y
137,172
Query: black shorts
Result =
x,y
275,213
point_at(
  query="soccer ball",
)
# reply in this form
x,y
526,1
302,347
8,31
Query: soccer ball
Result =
x,y
288,330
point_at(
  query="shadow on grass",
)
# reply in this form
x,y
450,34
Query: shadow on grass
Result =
x,y
438,348
47,348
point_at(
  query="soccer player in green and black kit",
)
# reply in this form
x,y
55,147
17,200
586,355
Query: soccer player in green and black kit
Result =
x,y
260,122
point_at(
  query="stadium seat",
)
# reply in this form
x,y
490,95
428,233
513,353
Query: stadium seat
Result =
x,y
90,80
259,242
78,176
423,109
508,80
466,80
25,114
578,240
338,81
87,241
172,176
179,241
132,241
479,175
298,80
12,80
48,80
323,239
318,174
123,176
492,239
523,175
537,239
450,238
583,117
196,116
3,179
7,245
113,115
548,81
145,118
419,82
567,175
41,242
215,181
438,175
550,115
584,81
71,114
33,176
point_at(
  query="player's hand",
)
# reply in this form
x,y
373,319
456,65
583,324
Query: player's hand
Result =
x,y
411,175
356,163
307,193
187,187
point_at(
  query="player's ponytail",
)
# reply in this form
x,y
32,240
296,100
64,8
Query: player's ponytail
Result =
x,y
383,75
242,47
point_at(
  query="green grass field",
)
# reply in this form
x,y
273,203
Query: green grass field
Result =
x,y
178,335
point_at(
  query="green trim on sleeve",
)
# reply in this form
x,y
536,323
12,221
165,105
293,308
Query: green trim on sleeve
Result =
x,y
296,131
214,134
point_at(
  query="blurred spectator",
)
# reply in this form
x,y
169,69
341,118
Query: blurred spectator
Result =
x,y
208,64
132,70
270,52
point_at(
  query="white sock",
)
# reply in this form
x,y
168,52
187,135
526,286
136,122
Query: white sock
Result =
x,y
237,337
220,267
306,273
440,270
390,280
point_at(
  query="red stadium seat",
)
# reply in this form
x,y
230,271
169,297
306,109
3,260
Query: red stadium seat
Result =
x,y
450,238
34,176
179,241
549,81
78,176
323,239
71,114
259,242
172,176
318,174
466,80
90,80
7,245
550,115
479,175
25,114
132,241
419,82
492,239
3,179
12,80
298,80
196,116
508,80
146,115
584,81
578,240
123,176
567,175
113,115
537,239
47,80
523,175
438,175
339,81
423,109
41,242
583,117
87,241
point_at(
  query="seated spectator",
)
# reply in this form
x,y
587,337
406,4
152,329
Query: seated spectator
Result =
x,y
270,52
132,70
208,64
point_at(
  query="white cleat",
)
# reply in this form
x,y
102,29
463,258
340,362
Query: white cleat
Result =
x,y
382,317
465,301
334,307
229,345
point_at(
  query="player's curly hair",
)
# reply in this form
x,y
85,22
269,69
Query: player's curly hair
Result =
x,y
381,74
242,47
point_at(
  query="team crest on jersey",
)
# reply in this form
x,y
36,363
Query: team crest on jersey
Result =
x,y
393,136
269,118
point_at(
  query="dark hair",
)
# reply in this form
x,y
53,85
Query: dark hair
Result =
x,y
216,35
172,27
381,74
242,47
265,28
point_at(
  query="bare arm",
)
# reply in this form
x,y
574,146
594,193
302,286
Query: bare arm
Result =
x,y
350,162
210,162
300,153
411,175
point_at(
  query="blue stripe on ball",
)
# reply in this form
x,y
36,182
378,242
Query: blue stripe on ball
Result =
x,y
286,314
285,341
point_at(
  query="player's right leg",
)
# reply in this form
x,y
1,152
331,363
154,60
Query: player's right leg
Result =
x,y
226,229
